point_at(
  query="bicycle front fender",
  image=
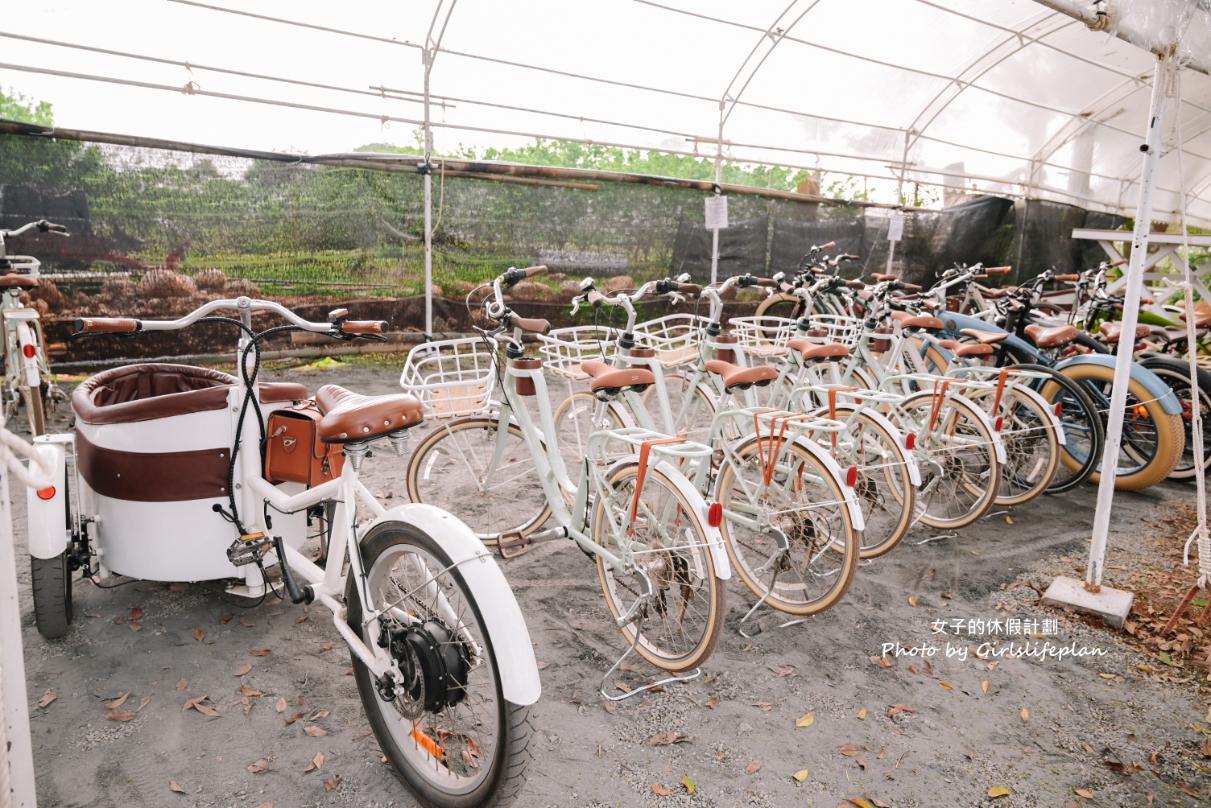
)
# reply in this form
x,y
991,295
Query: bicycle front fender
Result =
x,y
714,539
498,607
47,518
1154,384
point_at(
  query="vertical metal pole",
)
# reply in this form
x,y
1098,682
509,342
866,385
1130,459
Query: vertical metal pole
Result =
x,y
428,57
718,183
891,245
16,753
1131,308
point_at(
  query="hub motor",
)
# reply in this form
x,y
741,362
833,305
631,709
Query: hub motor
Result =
x,y
434,664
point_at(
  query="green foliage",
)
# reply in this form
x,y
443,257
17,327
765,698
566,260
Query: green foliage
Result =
x,y
19,107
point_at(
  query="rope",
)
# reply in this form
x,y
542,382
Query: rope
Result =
x,y
1196,422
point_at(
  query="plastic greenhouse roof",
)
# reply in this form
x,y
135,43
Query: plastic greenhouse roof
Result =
x,y
1000,96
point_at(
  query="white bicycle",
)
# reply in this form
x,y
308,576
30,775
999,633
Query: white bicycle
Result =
x,y
168,484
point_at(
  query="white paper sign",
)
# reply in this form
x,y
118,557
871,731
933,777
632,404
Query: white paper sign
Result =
x,y
895,227
716,212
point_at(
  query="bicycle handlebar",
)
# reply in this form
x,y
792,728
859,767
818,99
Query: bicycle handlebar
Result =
x,y
128,325
42,224
107,325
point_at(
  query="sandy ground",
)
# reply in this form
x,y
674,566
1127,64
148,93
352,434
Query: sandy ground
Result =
x,y
916,732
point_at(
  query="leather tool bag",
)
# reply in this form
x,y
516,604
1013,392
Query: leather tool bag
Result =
x,y
295,453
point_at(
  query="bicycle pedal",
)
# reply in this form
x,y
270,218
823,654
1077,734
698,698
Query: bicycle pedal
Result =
x,y
513,545
249,548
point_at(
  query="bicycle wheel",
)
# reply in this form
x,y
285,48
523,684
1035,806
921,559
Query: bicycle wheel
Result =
x,y
693,417
449,732
780,305
1084,432
792,542
577,417
884,488
487,479
676,628
1152,440
1032,450
1175,372
960,475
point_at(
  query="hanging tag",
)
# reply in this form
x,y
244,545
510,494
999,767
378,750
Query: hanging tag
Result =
x,y
895,226
716,212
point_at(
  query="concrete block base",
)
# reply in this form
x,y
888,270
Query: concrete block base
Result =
x,y
1112,605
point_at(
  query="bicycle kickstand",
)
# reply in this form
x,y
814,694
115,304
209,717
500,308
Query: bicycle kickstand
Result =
x,y
623,695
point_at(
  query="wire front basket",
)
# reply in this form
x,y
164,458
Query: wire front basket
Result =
x,y
564,349
451,377
834,328
763,336
674,336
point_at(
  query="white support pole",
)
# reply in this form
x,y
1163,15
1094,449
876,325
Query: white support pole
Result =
x,y
16,748
718,184
891,245
1131,310
427,55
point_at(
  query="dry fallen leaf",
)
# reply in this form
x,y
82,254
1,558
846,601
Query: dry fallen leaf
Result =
x,y
688,784
945,685
862,714
259,766
316,763
120,715
182,684
332,782
661,791
882,661
753,767
261,651
314,731
896,709
860,802
849,750
984,686
118,702
1025,714
996,792
294,718
199,633
47,698
1207,747
327,647
805,721
175,786
712,702
248,692
244,670
667,738
800,775
280,704
912,600
763,706
1083,792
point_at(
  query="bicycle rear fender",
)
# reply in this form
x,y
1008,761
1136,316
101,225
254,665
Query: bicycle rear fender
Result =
x,y
497,605
1151,382
47,518
851,500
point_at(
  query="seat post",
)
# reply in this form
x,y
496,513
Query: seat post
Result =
x,y
355,452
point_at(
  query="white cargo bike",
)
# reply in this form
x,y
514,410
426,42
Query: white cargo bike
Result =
x,y
181,473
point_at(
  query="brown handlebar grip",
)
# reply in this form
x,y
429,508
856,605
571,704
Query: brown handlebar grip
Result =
x,y
363,326
998,270
689,288
595,298
1119,262
107,325
982,276
55,228
532,325
855,284
910,287
1066,278
537,269
882,276
768,282
828,246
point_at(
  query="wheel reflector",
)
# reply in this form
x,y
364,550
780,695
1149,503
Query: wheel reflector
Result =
x,y
1059,408
29,350
428,744
910,440
46,493
714,514
851,476
1000,422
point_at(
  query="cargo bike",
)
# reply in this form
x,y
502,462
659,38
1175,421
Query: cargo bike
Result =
x,y
177,473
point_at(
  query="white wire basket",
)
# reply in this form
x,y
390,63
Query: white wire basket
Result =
x,y
834,328
564,349
451,377
762,336
675,337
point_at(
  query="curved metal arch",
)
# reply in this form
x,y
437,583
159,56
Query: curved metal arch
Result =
x,y
428,56
1001,50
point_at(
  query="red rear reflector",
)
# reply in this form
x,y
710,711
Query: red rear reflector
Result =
x,y
1059,408
851,476
910,440
1000,422
29,350
714,514
46,493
